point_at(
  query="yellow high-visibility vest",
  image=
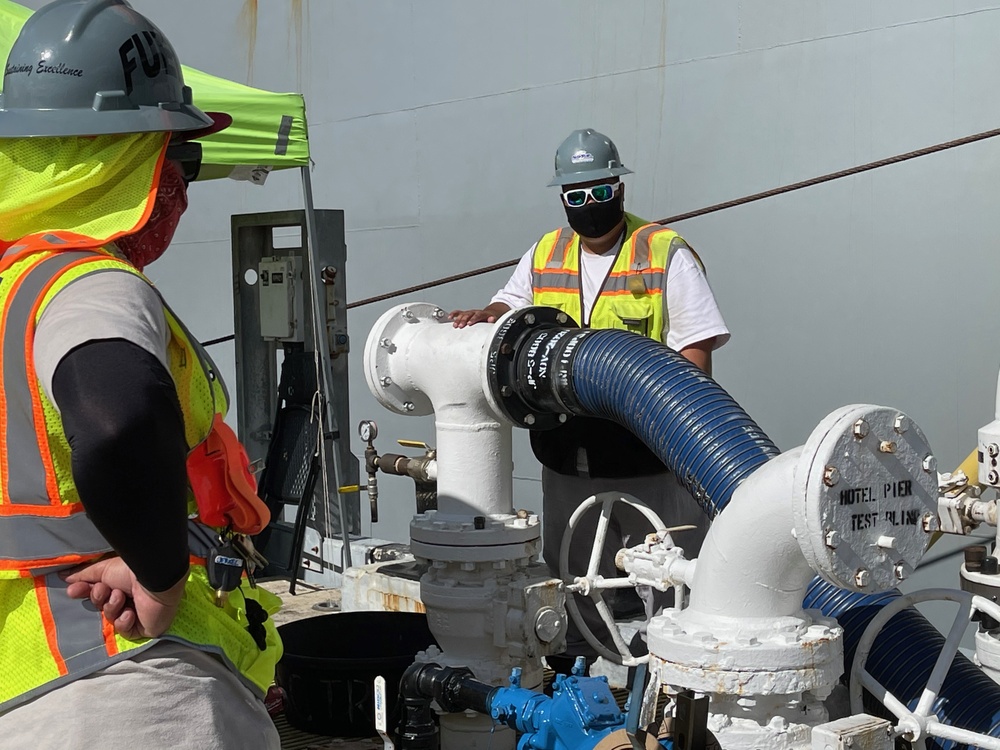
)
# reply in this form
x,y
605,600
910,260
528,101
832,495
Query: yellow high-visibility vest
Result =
x,y
48,639
632,296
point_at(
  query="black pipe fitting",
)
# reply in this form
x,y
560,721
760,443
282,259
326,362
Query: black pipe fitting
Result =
x,y
453,688
530,361
418,730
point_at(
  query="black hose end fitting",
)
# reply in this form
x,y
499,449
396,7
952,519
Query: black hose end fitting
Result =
x,y
453,688
529,367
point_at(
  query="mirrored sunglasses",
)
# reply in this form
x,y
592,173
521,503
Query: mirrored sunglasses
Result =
x,y
600,193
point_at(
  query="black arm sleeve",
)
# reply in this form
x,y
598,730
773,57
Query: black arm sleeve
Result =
x,y
125,428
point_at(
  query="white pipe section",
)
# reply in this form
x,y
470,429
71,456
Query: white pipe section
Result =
x,y
751,565
996,406
447,366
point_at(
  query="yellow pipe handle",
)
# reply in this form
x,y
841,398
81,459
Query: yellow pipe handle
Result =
x,y
971,468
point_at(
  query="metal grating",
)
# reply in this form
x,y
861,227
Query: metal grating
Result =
x,y
291,456
296,739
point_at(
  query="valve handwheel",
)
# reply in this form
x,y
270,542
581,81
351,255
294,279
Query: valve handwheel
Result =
x,y
922,721
592,584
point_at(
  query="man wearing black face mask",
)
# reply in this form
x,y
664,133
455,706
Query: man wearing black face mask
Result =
x,y
609,269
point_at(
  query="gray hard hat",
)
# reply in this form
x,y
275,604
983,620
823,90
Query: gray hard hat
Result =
x,y
587,155
94,67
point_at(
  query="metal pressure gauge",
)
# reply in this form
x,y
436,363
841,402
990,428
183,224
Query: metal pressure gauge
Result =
x,y
368,430
866,488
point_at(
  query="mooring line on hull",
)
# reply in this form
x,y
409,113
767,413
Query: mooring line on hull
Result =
x,y
684,216
707,210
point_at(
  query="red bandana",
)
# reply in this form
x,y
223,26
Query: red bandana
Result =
x,y
150,242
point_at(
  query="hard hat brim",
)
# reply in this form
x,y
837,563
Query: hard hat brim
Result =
x,y
40,123
590,175
220,121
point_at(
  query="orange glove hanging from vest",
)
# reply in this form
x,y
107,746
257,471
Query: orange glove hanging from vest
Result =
x,y
223,485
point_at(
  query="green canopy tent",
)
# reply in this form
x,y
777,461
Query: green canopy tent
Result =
x,y
269,132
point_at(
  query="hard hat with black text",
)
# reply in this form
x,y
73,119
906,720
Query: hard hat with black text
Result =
x,y
96,67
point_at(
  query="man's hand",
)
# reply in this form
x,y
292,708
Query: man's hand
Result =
x,y
489,314
135,611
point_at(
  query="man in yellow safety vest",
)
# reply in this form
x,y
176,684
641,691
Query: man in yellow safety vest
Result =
x,y
609,269
112,633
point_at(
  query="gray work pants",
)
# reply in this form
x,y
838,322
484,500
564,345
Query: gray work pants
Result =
x,y
562,494
169,696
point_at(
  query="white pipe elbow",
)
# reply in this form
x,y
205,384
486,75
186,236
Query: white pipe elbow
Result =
x,y
417,363
751,565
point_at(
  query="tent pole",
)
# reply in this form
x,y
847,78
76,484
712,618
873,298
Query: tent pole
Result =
x,y
318,293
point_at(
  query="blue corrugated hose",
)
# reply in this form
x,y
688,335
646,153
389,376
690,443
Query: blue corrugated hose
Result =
x,y
712,445
684,416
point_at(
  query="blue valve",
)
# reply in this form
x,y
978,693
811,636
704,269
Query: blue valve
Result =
x,y
581,712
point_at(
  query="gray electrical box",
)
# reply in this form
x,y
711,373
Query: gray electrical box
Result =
x,y
282,299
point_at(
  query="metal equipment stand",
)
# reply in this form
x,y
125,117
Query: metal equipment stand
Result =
x,y
292,419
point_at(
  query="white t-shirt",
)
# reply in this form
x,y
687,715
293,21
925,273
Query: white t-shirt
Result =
x,y
691,310
99,306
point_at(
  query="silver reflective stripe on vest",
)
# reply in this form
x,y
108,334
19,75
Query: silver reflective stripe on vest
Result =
x,y
553,276
27,538
558,256
621,283
25,470
79,632
641,250
557,280
24,537
80,640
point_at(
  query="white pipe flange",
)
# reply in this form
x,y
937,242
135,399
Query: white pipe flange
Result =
x,y
380,348
868,498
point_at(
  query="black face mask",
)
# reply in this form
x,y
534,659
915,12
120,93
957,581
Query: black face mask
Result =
x,y
595,219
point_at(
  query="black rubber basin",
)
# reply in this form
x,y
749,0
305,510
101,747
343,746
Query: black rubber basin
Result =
x,y
330,664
